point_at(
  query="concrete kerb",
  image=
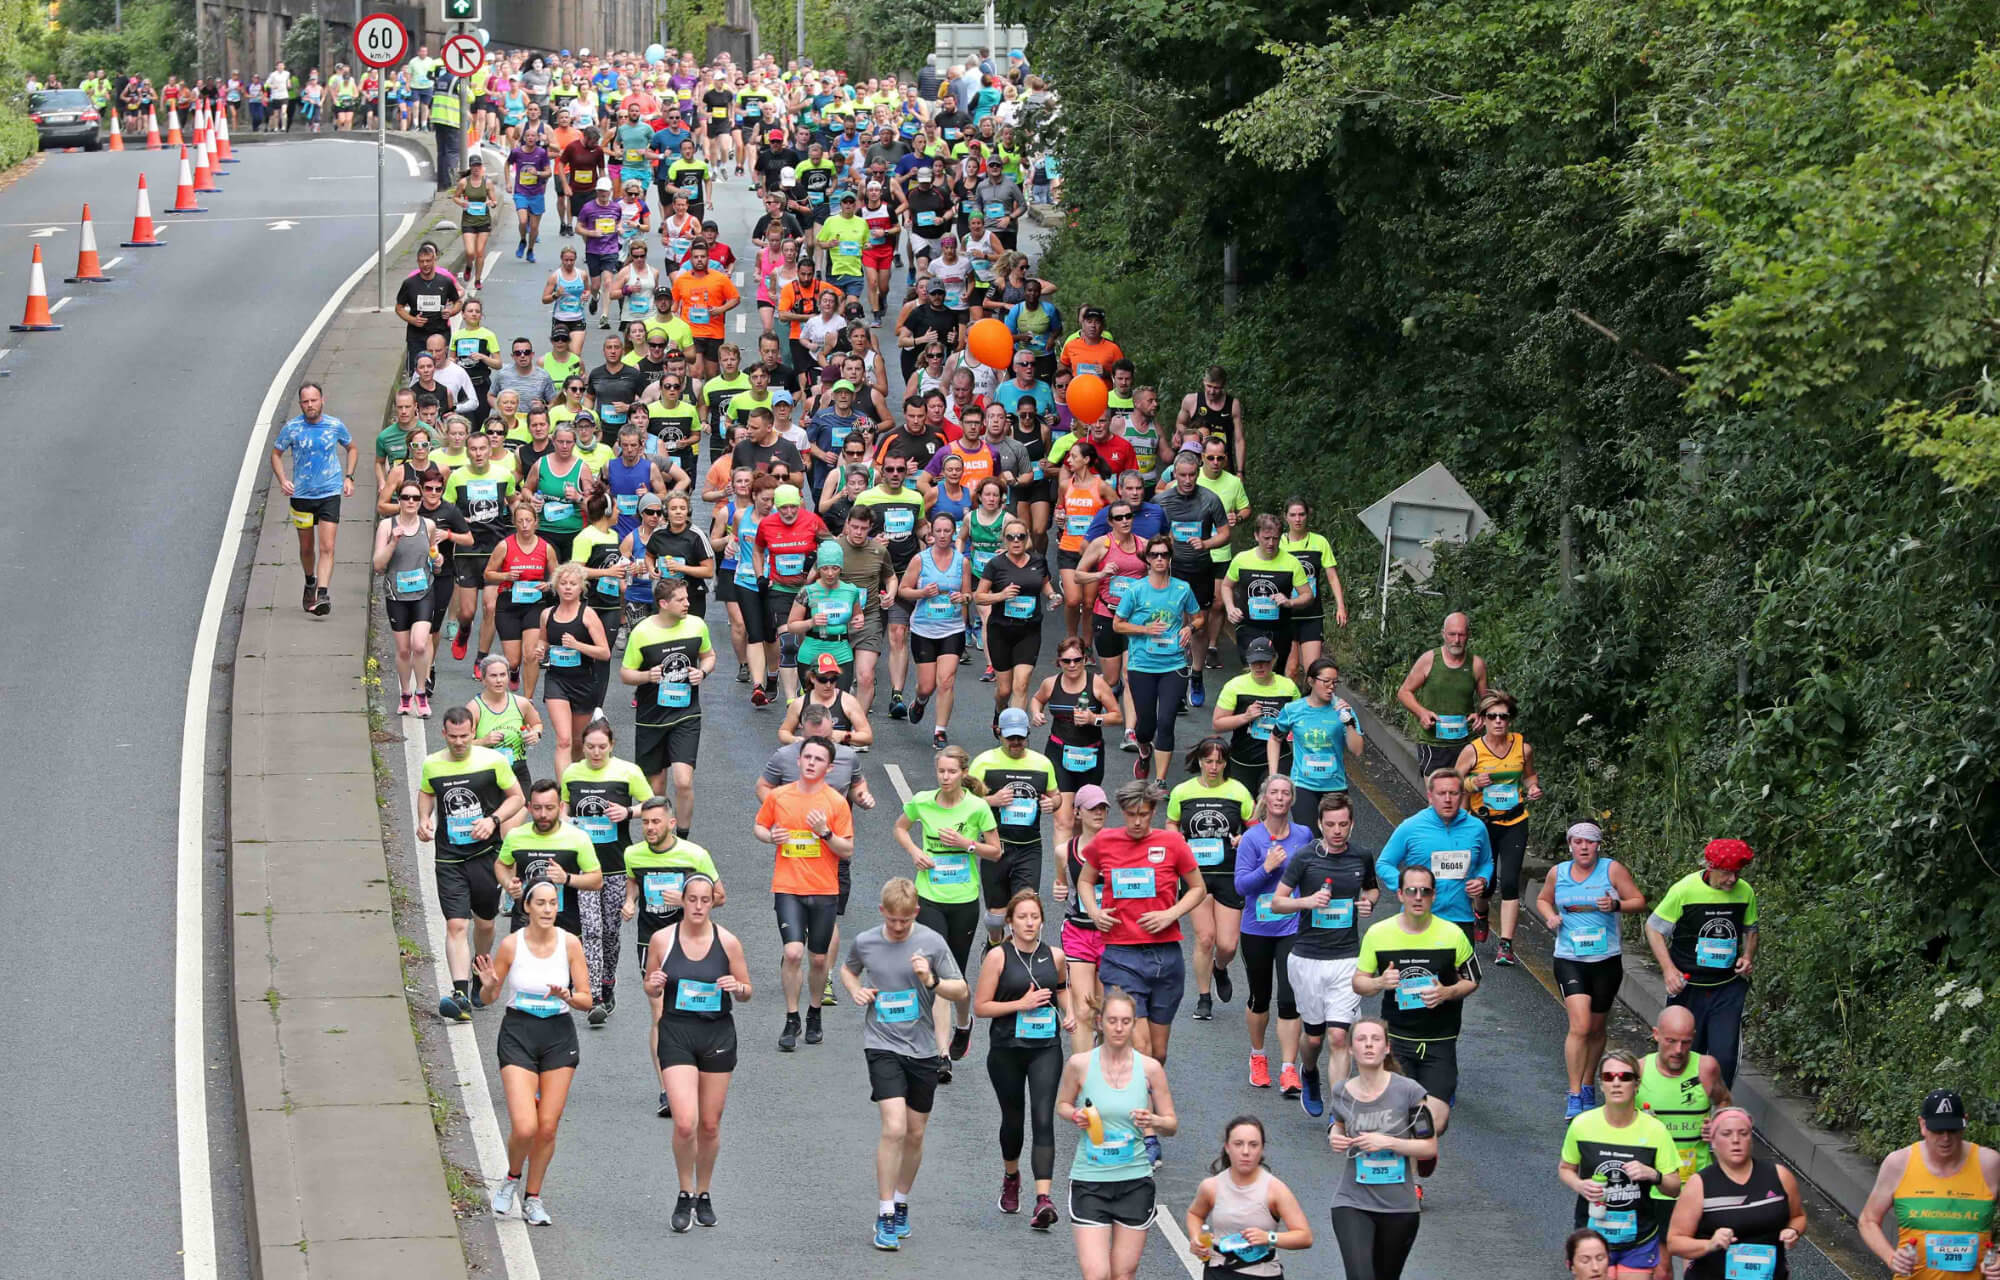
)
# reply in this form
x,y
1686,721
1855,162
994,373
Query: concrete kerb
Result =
x,y
1828,1160
343,1168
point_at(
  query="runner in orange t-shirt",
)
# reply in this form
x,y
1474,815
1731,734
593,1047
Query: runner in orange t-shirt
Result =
x,y
813,829
1090,351
559,139
704,299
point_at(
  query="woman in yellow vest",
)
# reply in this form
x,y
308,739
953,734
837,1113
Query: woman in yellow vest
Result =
x,y
1499,772
1939,1191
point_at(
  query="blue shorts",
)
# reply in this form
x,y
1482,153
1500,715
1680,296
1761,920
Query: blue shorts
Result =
x,y
422,95
1640,1257
601,263
1154,976
536,204
849,285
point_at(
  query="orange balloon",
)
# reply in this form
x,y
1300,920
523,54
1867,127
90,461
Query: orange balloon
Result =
x,y
992,343
1088,397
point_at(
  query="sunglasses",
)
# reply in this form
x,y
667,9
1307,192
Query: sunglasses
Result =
x,y
824,679
1501,716
1017,537
433,488
1070,662
524,351
409,497
572,386
1159,555
1615,1077
1417,891
1121,515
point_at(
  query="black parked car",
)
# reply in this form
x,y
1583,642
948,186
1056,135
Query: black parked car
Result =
x,y
65,118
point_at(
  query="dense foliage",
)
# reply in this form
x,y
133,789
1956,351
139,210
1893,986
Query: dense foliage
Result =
x,y
17,135
867,37
1697,298
157,40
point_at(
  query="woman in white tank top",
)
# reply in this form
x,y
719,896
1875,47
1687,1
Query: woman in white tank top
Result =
x,y
1242,1214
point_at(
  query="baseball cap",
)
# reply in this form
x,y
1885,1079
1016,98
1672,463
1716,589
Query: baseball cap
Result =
x,y
604,183
650,502
1013,723
1260,650
787,176
933,286
559,334
827,665
1943,1110
844,385
925,175
874,186
786,496
1090,795
845,196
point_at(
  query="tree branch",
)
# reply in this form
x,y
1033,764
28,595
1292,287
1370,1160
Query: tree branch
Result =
x,y
1612,334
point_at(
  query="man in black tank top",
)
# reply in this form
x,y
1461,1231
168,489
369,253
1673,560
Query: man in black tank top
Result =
x,y
1217,413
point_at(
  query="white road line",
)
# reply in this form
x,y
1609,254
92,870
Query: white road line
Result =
x,y
470,1067
486,272
114,262
190,1066
394,144
60,303
898,781
740,321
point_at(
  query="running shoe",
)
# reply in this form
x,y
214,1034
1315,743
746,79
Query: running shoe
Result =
x,y
1214,660
897,711
531,255
503,1196
1197,692
311,596
666,1108
1045,1214
1572,1105
1504,953
972,636
917,708
902,1219
424,705
813,1033
826,997
683,1212
1590,1098
1131,742
758,698
989,676
514,679
961,1042
1204,1008
450,1010
704,1210
788,1039
1224,988
1309,1094
1153,1151
944,1068
885,1232
1288,1081
598,1015
535,1213
520,248
939,739
459,646
324,604
1143,766
1480,930
1260,1071
1010,1193
742,674
403,705
603,322
609,1000
593,302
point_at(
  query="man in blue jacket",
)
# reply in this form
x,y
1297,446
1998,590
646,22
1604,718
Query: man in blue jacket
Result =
x,y
1448,842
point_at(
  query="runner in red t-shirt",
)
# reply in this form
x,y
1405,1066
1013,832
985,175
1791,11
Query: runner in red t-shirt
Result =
x,y
1147,881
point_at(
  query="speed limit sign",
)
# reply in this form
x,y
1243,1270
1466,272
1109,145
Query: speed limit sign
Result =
x,y
381,40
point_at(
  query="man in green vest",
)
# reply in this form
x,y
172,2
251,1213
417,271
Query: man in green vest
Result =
x,y
445,118
1443,687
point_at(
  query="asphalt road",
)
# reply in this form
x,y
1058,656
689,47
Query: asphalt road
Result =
x,y
795,1187
128,428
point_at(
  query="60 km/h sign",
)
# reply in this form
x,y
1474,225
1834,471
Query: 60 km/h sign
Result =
x,y
381,40
462,55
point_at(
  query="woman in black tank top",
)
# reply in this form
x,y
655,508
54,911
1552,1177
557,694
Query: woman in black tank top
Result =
x,y
1741,1211
697,969
574,646
1021,988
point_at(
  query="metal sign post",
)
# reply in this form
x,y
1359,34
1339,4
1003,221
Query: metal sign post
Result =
x,y
1430,508
381,41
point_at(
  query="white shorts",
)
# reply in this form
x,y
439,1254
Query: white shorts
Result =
x,y
1324,990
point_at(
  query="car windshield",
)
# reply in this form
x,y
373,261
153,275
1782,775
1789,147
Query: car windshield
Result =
x,y
58,100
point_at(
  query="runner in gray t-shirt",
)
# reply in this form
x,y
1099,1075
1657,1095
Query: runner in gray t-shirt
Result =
x,y
897,972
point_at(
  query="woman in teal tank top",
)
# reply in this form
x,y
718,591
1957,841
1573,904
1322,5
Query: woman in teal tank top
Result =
x,y
1118,1098
1580,902
561,480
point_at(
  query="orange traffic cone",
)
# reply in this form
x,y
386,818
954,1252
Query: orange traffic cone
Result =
x,y
37,318
153,142
142,222
184,193
88,271
174,138
116,142
222,138
204,176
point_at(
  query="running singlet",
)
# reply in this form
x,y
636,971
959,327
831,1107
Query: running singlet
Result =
x,y
1948,1219
1681,1103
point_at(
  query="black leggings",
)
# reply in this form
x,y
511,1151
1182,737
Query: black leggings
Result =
x,y
1263,957
956,922
1038,1071
1510,847
1156,701
1374,1246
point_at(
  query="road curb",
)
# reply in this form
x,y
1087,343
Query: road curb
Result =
x,y
342,1168
1829,1160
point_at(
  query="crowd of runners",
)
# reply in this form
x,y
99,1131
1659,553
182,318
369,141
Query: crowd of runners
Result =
x,y
644,509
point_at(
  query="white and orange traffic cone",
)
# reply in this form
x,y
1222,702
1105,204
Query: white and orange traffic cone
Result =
x,y
204,176
88,270
153,142
222,139
174,138
142,222
116,142
184,193
37,318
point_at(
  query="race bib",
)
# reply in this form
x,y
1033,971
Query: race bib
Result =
x,y
925,218
1451,864
599,828
847,249
656,885
607,226
1715,953
1132,882
556,509
953,299
995,209
412,580
1337,914
1376,1168
483,493
430,302
1409,992
458,828
1019,607
791,564
897,522
697,314
833,615
1035,1024
1501,797
1164,646
1079,759
1619,1226
468,346
1207,852
1951,1250
564,656
1185,530
1751,1262
1114,1150
697,997
951,868
1589,941
542,1006
936,608
896,1006
1076,526
1450,728
800,844
1263,608
1318,766
678,246
526,593
677,693
1021,812
475,208
628,503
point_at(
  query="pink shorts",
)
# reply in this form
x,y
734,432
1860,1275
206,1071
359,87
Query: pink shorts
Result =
x,y
1086,945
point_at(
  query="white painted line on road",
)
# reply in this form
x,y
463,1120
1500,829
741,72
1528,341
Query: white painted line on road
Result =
x,y
344,177
59,304
898,781
190,1066
741,320
486,273
397,145
114,262
739,280
515,1246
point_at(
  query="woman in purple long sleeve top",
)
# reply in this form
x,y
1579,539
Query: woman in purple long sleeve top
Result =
x,y
1261,855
